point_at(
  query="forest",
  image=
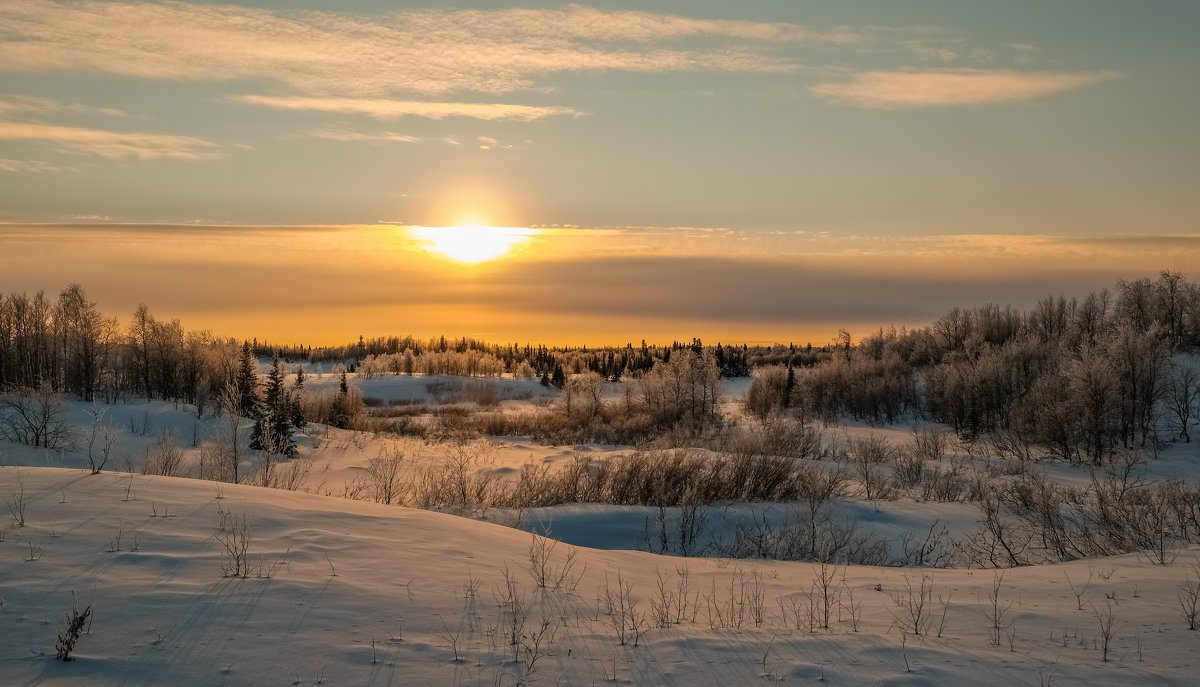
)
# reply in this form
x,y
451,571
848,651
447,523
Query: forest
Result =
x,y
1077,378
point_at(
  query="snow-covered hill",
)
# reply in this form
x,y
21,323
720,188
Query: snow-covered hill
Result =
x,y
351,593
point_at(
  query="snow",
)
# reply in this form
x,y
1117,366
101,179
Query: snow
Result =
x,y
352,593
359,573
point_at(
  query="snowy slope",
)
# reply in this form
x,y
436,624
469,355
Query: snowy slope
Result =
x,y
350,575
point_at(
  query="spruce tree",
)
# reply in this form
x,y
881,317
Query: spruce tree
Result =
x,y
273,429
297,409
247,384
340,412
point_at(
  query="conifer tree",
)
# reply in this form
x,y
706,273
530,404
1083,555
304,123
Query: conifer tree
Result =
x,y
247,384
340,412
297,408
273,429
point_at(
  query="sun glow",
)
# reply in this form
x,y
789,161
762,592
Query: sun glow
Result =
x,y
472,243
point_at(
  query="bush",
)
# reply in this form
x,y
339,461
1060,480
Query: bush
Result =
x,y
164,457
69,636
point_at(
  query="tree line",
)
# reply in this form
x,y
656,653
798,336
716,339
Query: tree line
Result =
x,y
1079,379
73,348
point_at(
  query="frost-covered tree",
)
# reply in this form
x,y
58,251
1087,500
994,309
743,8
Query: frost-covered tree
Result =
x,y
273,428
341,413
247,384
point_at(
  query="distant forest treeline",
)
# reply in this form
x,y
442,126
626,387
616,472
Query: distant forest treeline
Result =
x,y
1080,377
68,344
474,358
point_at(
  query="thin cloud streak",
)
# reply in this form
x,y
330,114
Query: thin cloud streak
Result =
x,y
33,167
904,89
429,52
110,144
392,109
359,137
38,105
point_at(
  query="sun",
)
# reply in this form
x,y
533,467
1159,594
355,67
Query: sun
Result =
x,y
472,243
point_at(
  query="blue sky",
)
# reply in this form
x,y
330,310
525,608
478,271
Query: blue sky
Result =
x,y
846,121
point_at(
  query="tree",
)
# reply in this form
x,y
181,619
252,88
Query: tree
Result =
x,y
78,326
340,414
247,384
140,333
583,395
1139,359
297,409
35,417
683,390
101,438
273,427
769,390
221,456
1183,400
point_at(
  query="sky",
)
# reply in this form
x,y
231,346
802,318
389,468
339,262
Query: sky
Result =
x,y
761,171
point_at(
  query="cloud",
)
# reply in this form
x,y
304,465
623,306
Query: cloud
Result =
x,y
110,144
38,105
934,50
33,167
577,21
391,109
346,135
1022,52
898,89
426,51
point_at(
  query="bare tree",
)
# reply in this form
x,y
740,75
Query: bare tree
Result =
x,y
1189,596
996,611
35,417
100,441
164,457
1106,620
1182,400
867,456
914,606
383,481
582,396
78,328
221,456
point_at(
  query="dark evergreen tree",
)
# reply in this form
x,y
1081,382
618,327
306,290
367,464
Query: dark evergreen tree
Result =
x,y
297,409
247,384
273,428
339,413
558,379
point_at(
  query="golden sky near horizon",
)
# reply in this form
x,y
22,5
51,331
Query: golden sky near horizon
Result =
x,y
328,285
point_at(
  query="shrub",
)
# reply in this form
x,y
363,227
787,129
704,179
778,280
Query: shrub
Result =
x,y
69,636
